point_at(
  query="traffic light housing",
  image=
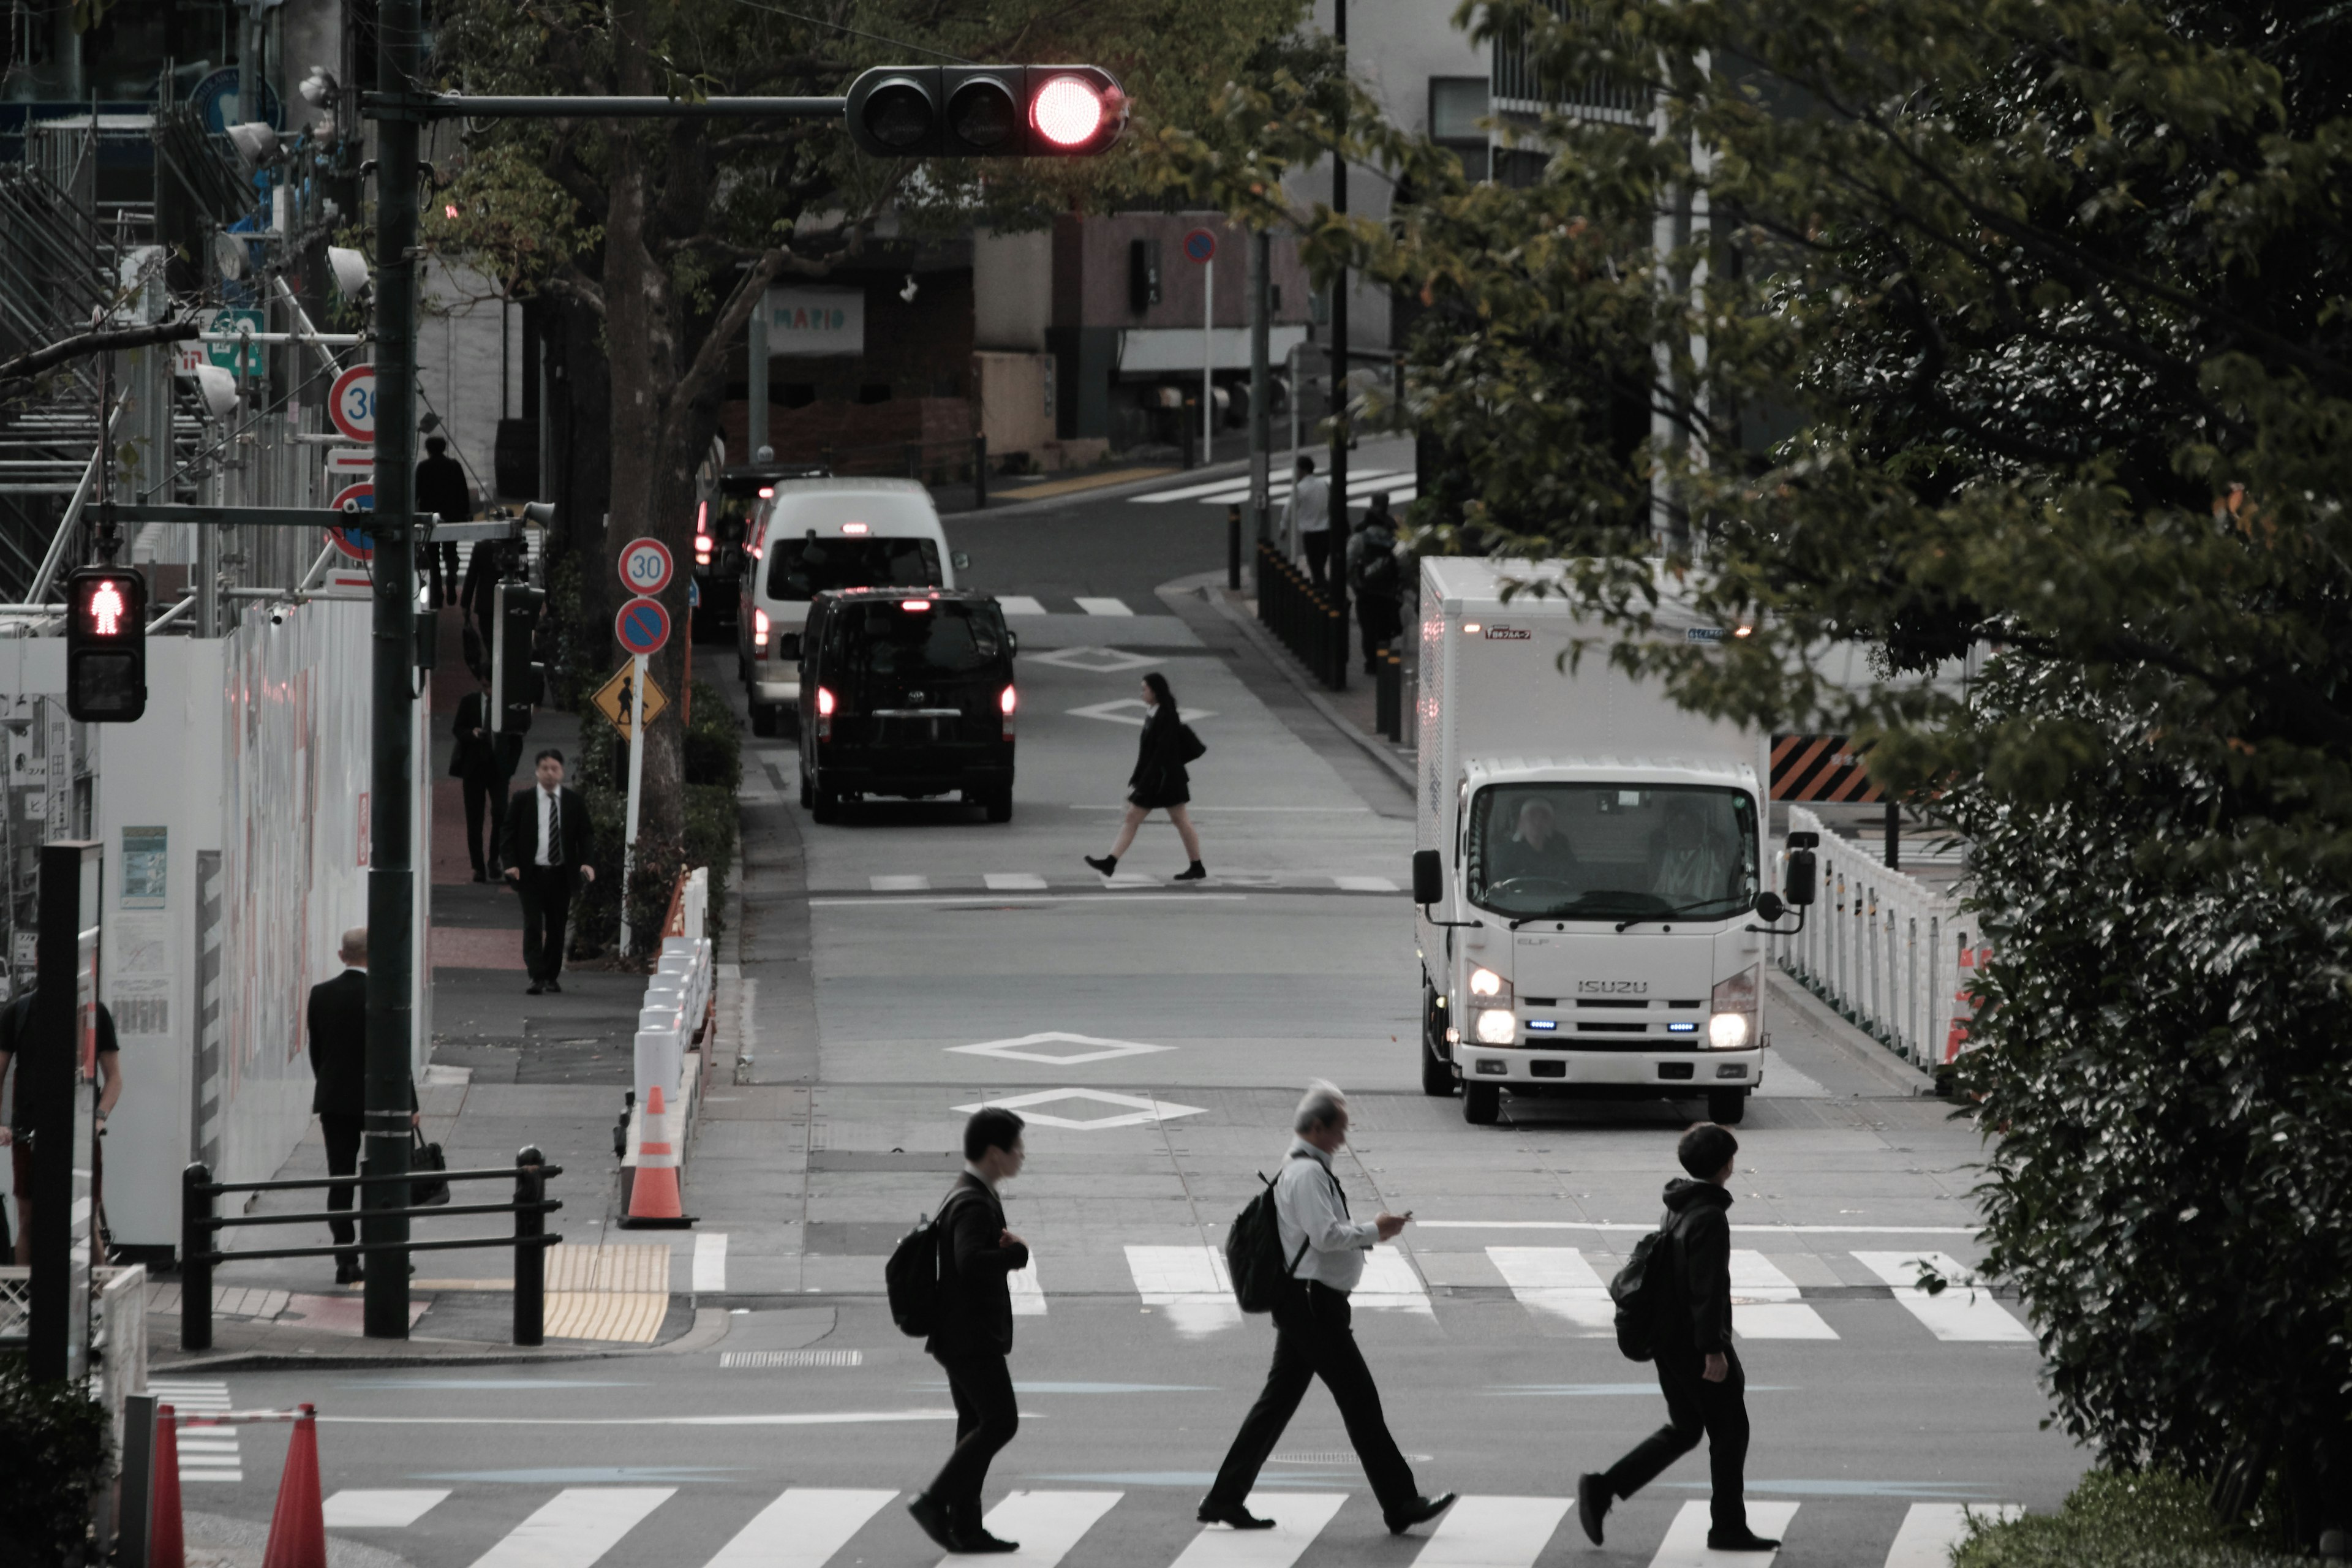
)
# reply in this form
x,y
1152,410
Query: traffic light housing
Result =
x,y
517,682
986,111
106,645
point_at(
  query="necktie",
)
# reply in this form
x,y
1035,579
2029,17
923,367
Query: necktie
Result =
x,y
554,828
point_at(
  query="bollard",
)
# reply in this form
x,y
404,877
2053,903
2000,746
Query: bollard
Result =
x,y
1234,548
195,1258
1384,693
530,1257
134,1505
979,473
1334,649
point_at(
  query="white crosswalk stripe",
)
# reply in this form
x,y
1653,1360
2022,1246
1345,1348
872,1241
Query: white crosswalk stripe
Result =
x,y
1555,1282
1298,1518
1013,881
389,1509
710,1263
1046,1524
1188,1283
1765,1304
1390,1283
578,1526
1685,1543
1019,605
801,1529
1364,884
1931,1530
1104,606
208,1454
1493,1533
1959,1312
899,884
1219,492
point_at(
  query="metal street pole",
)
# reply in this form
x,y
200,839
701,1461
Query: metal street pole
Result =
x,y
1208,361
755,369
636,784
391,889
1338,534
1260,379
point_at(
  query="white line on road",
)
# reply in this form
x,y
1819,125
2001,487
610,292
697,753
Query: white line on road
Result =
x,y
1685,1542
1046,1524
1957,1312
795,1418
1931,1530
1766,1304
899,884
1493,1533
1104,606
575,1527
1557,1282
1628,1225
1013,881
1019,605
1298,1518
1110,898
710,1263
1364,884
357,1509
801,1529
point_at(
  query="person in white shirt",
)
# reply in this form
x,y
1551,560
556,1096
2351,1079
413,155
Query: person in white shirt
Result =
x,y
1310,521
1312,1336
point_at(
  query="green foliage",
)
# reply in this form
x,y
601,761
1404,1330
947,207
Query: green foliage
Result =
x,y
714,741
56,1454
2152,1520
710,825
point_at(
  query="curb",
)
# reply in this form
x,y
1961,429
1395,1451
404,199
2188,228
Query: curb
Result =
x,y
710,1326
1231,470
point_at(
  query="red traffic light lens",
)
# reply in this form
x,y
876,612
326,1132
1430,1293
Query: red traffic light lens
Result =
x,y
1066,111
104,606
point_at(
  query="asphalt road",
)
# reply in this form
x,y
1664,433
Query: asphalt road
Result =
x,y
911,961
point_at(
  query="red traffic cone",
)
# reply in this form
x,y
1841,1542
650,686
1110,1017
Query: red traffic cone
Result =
x,y
655,1201
166,1545
298,1531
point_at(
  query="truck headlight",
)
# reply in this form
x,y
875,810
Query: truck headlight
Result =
x,y
1497,1026
1728,1031
1486,983
1733,1007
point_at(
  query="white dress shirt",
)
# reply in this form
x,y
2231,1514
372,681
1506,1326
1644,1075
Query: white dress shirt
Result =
x,y
1310,505
1308,1207
547,847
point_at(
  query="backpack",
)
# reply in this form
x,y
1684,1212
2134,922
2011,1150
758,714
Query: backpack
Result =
x,y
912,1276
1642,1291
1254,1252
1190,748
1376,569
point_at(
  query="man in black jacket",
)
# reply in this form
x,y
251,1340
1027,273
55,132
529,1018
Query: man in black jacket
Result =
x,y
484,762
545,841
974,1332
441,488
1699,1370
337,1016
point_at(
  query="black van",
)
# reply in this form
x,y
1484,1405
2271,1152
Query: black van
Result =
x,y
906,691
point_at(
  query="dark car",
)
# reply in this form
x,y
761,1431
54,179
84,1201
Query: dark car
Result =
x,y
906,692
718,531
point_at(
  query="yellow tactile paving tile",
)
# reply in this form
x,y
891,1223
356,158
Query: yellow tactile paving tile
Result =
x,y
607,1292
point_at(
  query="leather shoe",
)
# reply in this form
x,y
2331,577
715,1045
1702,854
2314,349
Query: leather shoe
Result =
x,y
1746,1542
1593,1502
481,874
534,989
1234,1514
977,1541
934,1520
1421,1512
556,986
352,1275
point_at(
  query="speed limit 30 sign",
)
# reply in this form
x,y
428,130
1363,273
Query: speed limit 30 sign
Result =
x,y
352,402
645,566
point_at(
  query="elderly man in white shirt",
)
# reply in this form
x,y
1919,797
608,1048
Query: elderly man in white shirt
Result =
x,y
1313,1338
1310,521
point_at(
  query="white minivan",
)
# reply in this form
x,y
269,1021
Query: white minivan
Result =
x,y
814,534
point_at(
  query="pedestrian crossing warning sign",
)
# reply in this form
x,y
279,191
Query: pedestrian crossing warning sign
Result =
x,y
1819,767
612,699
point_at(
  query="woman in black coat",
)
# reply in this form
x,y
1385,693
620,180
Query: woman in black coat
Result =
x,y
1159,782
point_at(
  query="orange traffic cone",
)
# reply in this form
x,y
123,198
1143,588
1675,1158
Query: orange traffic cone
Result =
x,y
298,1531
655,1202
166,1545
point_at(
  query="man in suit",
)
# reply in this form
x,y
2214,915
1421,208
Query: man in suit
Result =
x,y
338,1021
484,762
441,488
1312,1333
546,841
974,1332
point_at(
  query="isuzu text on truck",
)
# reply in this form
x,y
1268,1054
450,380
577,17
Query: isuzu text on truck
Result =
x,y
1590,871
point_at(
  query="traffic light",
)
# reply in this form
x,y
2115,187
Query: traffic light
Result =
x,y
517,681
106,645
986,111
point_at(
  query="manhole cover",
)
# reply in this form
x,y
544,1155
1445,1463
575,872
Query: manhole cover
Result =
x,y
730,1360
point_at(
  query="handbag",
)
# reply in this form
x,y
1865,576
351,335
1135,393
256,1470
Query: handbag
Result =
x,y
426,1191
1190,748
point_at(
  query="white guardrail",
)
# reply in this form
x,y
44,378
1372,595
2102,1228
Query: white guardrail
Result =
x,y
677,1002
1893,955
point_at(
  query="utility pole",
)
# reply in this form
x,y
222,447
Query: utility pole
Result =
x,y
392,885
1340,530
1261,425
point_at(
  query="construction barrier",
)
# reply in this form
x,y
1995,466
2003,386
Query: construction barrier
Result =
x,y
655,1201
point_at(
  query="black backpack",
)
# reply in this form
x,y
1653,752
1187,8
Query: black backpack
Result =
x,y
913,1275
1254,1252
1644,1292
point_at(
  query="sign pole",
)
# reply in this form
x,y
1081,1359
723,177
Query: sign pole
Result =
x,y
1208,361
637,782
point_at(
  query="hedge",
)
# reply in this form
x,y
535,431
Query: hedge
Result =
x,y
714,770
2152,1520
55,1453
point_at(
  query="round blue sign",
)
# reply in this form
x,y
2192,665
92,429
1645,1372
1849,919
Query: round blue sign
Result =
x,y
642,626
1200,245
214,99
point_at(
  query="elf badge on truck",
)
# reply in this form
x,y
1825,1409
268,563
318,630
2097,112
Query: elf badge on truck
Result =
x,y
1590,871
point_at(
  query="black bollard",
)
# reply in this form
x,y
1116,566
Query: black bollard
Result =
x,y
196,1258
530,1256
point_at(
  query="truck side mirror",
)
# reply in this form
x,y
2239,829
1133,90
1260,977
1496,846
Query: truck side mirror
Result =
x,y
1798,886
1428,876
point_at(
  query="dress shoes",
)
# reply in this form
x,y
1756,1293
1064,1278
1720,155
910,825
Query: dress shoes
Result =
x,y
352,1275
1746,1540
1234,1514
1421,1511
556,986
1593,1502
934,1520
534,989
978,1542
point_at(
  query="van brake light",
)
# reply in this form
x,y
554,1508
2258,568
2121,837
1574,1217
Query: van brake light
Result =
x,y
759,632
914,603
1006,701
856,527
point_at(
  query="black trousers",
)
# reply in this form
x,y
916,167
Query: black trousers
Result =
x,y
986,1418
546,905
1696,1407
1312,1339
343,1133
1378,617
485,802
1318,557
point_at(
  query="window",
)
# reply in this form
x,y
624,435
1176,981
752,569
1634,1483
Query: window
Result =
x,y
1576,851
1457,105
949,638
801,569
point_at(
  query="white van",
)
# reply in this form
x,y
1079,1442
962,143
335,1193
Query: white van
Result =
x,y
810,535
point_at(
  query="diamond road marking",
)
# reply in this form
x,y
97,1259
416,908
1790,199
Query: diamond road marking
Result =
x,y
1142,1112
1093,660
1115,712
1090,1048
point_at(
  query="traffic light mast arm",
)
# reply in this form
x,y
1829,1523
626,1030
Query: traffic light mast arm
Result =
x,y
466,106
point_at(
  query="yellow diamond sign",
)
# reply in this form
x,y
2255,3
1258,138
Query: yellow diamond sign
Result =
x,y
612,699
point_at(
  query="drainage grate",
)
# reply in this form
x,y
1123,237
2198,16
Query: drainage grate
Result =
x,y
752,1359
1331,1456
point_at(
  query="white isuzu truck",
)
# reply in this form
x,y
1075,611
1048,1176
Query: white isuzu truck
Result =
x,y
1589,876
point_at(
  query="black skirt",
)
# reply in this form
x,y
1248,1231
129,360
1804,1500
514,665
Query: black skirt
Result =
x,y
1160,780
1160,790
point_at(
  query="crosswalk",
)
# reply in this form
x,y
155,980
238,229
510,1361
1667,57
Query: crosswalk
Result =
x,y
1397,484
1038,882
811,1527
207,1454
1087,604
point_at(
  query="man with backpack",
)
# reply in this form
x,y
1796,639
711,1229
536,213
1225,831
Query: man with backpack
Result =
x,y
1322,1258
1685,1302
971,1329
1377,579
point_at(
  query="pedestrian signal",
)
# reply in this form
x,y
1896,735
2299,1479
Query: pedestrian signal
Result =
x,y
986,111
106,645
517,682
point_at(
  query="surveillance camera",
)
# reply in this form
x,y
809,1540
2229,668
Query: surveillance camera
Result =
x,y
277,615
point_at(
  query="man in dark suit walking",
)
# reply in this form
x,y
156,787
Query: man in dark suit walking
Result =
x,y
484,762
337,1024
974,1334
545,842
441,488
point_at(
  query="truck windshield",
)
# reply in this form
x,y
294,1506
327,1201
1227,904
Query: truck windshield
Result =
x,y
1576,851
801,569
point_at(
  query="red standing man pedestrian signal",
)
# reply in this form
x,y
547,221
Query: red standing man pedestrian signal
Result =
x,y
106,607
106,645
